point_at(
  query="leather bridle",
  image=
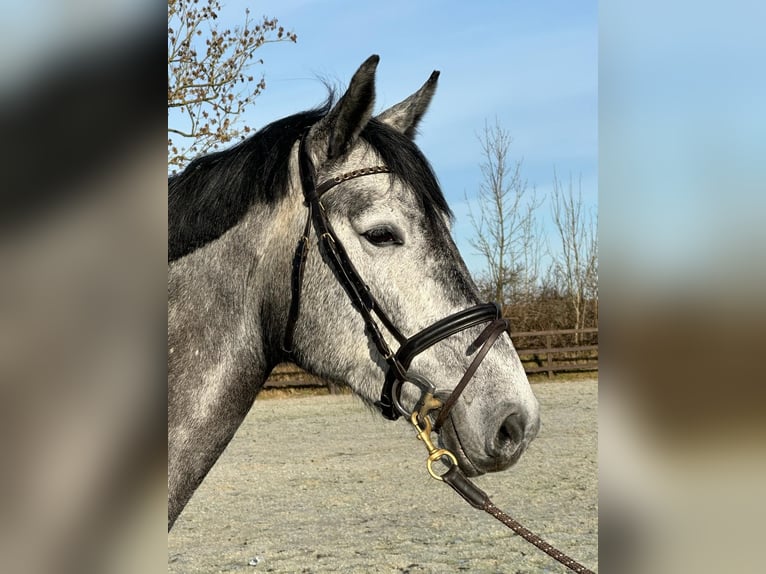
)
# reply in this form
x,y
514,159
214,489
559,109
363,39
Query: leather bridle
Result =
x,y
431,400
366,304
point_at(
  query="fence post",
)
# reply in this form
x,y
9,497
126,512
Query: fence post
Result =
x,y
549,356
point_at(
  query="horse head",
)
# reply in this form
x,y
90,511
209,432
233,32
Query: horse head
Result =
x,y
382,203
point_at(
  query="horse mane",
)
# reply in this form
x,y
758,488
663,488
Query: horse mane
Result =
x,y
215,191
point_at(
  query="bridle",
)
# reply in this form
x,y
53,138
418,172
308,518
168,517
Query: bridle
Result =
x,y
390,404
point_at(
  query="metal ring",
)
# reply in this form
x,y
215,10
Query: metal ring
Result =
x,y
421,383
436,455
395,392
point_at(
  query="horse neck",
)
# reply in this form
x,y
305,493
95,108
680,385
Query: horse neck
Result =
x,y
229,299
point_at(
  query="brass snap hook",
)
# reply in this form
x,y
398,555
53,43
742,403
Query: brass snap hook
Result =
x,y
434,453
427,403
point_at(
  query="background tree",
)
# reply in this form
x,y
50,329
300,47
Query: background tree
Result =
x,y
507,231
543,283
575,266
208,76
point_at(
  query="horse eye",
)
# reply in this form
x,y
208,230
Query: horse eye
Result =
x,y
382,236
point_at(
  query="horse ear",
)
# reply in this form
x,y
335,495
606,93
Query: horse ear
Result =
x,y
343,124
405,116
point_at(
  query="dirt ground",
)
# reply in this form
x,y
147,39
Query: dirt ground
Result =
x,y
322,484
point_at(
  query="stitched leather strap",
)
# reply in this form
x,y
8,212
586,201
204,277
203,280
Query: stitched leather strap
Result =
x,y
336,257
477,498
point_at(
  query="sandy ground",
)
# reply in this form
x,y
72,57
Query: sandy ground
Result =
x,y
323,484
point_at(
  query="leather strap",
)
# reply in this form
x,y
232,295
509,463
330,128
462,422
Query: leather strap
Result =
x,y
477,498
390,401
299,265
486,340
335,256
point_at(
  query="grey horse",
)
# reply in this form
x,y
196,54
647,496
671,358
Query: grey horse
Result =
x,y
234,218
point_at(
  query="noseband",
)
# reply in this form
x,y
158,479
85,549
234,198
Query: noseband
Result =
x,y
368,307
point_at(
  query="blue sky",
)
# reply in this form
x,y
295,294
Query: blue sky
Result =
x,y
531,65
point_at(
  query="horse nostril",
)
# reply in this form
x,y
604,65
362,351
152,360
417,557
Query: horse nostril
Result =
x,y
511,432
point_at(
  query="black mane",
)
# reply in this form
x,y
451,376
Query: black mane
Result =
x,y
215,191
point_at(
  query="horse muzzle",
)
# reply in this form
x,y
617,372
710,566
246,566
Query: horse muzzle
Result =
x,y
495,446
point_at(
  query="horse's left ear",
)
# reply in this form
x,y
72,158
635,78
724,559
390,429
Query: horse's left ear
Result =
x,y
405,116
334,134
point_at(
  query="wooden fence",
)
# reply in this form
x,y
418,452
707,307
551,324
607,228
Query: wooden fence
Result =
x,y
565,350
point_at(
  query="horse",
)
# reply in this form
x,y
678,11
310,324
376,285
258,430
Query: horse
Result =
x,y
254,280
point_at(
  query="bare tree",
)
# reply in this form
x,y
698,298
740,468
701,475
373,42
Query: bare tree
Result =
x,y
208,75
507,232
575,266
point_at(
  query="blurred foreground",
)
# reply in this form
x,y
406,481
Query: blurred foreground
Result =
x,y
83,292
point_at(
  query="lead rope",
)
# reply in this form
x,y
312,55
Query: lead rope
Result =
x,y
472,494
365,303
534,539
